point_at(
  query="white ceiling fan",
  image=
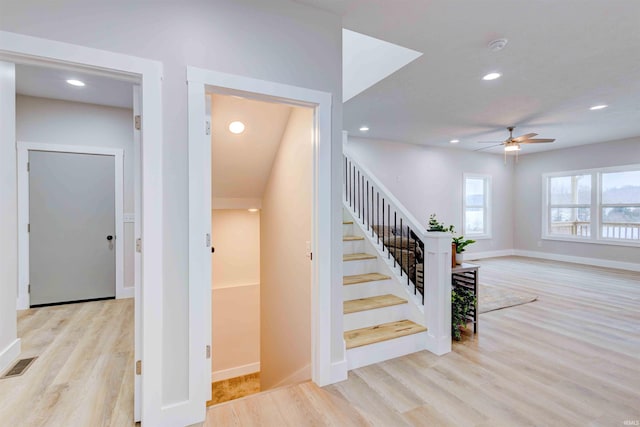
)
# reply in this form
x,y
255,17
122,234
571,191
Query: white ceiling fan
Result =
x,y
513,144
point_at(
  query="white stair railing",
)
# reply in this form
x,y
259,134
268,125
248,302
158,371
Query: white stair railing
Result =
x,y
423,258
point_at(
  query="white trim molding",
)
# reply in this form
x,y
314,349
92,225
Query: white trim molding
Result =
x,y
238,371
26,49
9,354
23,212
324,323
598,262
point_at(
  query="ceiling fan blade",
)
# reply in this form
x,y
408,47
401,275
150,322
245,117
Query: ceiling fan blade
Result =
x,y
523,137
490,142
534,141
486,148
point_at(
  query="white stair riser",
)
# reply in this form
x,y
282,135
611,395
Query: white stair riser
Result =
x,y
367,289
353,246
363,319
385,350
350,268
347,229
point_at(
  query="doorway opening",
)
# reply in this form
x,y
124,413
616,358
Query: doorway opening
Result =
x,y
326,344
261,199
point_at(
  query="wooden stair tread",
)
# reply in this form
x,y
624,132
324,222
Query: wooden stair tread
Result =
x,y
351,238
379,333
357,257
347,222
371,303
362,278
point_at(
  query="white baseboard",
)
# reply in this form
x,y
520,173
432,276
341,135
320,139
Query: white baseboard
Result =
x,y
238,371
127,292
9,354
579,260
470,256
339,372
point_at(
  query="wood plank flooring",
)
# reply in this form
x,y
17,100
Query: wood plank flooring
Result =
x,y
371,303
84,372
362,278
572,358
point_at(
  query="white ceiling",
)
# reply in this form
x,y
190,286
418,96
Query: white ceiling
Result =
x,y
240,164
52,83
562,57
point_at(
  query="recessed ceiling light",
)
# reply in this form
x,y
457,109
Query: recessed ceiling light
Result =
x,y
454,141
253,210
364,129
236,127
491,76
74,82
598,107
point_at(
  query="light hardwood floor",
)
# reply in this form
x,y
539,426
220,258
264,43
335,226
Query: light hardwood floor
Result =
x,y
83,375
572,358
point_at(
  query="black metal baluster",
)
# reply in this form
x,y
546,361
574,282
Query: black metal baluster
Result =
x,y
367,213
378,214
395,240
389,226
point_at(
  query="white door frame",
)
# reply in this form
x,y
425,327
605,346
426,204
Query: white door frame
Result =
x,y
200,82
23,212
19,48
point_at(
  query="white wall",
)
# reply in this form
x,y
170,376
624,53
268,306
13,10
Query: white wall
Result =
x,y
278,40
528,196
52,121
9,343
285,278
235,296
429,180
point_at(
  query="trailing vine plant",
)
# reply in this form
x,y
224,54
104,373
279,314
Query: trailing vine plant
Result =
x,y
462,299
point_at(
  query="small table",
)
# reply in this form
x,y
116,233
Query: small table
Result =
x,y
466,275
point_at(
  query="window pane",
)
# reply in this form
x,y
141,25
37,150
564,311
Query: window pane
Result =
x,y
621,187
570,221
566,190
474,221
474,191
621,223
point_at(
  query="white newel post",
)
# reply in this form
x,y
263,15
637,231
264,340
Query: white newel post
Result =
x,y
437,291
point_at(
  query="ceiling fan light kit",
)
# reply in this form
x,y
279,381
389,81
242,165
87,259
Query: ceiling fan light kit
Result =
x,y
513,143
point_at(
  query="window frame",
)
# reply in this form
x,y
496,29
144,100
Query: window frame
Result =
x,y
487,211
595,206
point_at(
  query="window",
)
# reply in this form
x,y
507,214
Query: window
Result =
x,y
620,206
476,200
595,206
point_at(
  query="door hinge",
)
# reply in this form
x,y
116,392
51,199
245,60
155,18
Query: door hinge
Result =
x,y
28,228
28,167
29,288
207,127
138,245
139,367
207,240
208,351
137,120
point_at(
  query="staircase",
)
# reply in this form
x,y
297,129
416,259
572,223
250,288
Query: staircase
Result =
x,y
379,323
396,276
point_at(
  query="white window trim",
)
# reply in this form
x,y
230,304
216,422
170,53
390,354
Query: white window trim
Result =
x,y
596,206
487,205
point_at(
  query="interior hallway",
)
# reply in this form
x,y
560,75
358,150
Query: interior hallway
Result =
x,y
84,372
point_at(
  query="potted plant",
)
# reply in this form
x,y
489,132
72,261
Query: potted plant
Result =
x,y
461,243
435,225
462,299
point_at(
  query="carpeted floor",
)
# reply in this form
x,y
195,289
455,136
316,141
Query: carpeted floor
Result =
x,y
234,388
494,298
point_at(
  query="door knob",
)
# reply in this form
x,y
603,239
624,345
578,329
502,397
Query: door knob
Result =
x,y
109,238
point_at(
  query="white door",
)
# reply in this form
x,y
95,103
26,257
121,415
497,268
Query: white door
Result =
x,y
72,227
